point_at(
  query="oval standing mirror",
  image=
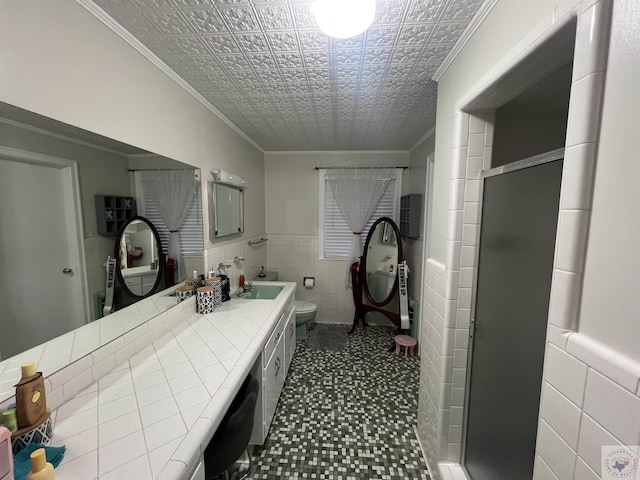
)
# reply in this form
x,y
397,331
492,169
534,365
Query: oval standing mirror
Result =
x,y
382,252
139,256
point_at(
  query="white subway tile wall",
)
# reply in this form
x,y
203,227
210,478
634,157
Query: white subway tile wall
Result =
x,y
254,256
432,420
297,256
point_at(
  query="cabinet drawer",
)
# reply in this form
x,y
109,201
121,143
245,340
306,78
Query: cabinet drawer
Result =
x,y
274,338
133,281
274,375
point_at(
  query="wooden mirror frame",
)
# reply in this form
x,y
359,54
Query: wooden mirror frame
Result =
x,y
160,254
365,283
358,274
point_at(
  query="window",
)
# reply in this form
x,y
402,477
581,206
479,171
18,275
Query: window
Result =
x,y
335,234
191,231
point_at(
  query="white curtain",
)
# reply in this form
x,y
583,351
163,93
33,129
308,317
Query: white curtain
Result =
x,y
172,191
357,192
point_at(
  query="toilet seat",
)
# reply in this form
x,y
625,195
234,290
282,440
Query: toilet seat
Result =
x,y
303,306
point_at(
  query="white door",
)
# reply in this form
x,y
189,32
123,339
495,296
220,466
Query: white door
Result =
x,y
38,301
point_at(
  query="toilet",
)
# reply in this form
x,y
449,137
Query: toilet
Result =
x,y
305,312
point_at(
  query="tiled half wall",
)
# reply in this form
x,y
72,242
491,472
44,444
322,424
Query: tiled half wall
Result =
x,y
295,257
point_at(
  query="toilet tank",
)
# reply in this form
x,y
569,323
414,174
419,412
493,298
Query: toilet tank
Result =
x,y
268,277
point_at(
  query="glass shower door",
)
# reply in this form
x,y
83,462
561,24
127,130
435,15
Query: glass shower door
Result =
x,y
517,241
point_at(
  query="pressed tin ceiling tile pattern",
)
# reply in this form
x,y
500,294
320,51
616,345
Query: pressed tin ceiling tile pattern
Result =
x,y
268,68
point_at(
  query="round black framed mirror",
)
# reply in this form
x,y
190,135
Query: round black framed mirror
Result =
x,y
139,258
382,253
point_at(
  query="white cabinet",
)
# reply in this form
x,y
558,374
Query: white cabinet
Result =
x,y
134,284
271,370
139,282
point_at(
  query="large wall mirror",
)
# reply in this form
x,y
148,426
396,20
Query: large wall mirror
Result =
x,y
226,204
50,173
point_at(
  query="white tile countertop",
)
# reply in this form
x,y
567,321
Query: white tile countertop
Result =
x,y
152,416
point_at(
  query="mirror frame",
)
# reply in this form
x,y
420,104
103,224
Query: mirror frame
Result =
x,y
116,254
365,283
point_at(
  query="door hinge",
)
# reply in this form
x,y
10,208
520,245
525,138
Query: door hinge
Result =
x,y
472,327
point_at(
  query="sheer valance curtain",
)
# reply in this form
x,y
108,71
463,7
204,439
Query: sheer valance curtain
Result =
x,y
357,192
172,191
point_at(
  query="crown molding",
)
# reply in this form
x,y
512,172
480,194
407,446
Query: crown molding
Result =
x,y
334,152
431,132
119,30
60,136
475,22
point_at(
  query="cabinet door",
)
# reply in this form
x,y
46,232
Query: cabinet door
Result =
x,y
290,339
275,336
134,284
148,281
274,375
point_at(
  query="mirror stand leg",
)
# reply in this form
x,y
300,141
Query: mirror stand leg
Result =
x,y
393,342
355,323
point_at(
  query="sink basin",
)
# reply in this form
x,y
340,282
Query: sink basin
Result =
x,y
261,292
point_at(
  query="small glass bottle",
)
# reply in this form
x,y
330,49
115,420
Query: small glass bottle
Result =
x,y
241,280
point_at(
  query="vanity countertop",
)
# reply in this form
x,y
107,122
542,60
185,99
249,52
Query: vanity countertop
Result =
x,y
151,416
138,271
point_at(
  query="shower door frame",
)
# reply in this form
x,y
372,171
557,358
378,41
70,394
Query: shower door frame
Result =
x,y
529,162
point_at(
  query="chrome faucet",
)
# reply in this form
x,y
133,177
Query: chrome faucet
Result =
x,y
247,287
222,268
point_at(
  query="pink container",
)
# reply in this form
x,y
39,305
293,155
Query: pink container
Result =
x,y
6,455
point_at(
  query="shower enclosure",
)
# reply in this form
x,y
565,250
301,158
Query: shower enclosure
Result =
x,y
517,242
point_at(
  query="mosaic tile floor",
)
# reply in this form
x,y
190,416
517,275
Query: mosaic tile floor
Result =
x,y
347,411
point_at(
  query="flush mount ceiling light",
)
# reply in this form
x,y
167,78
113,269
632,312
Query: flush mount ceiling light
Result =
x,y
344,18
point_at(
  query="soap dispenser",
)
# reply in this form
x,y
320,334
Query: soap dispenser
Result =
x,y
40,468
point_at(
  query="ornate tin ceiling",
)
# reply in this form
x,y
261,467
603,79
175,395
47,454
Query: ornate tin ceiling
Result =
x,y
267,67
